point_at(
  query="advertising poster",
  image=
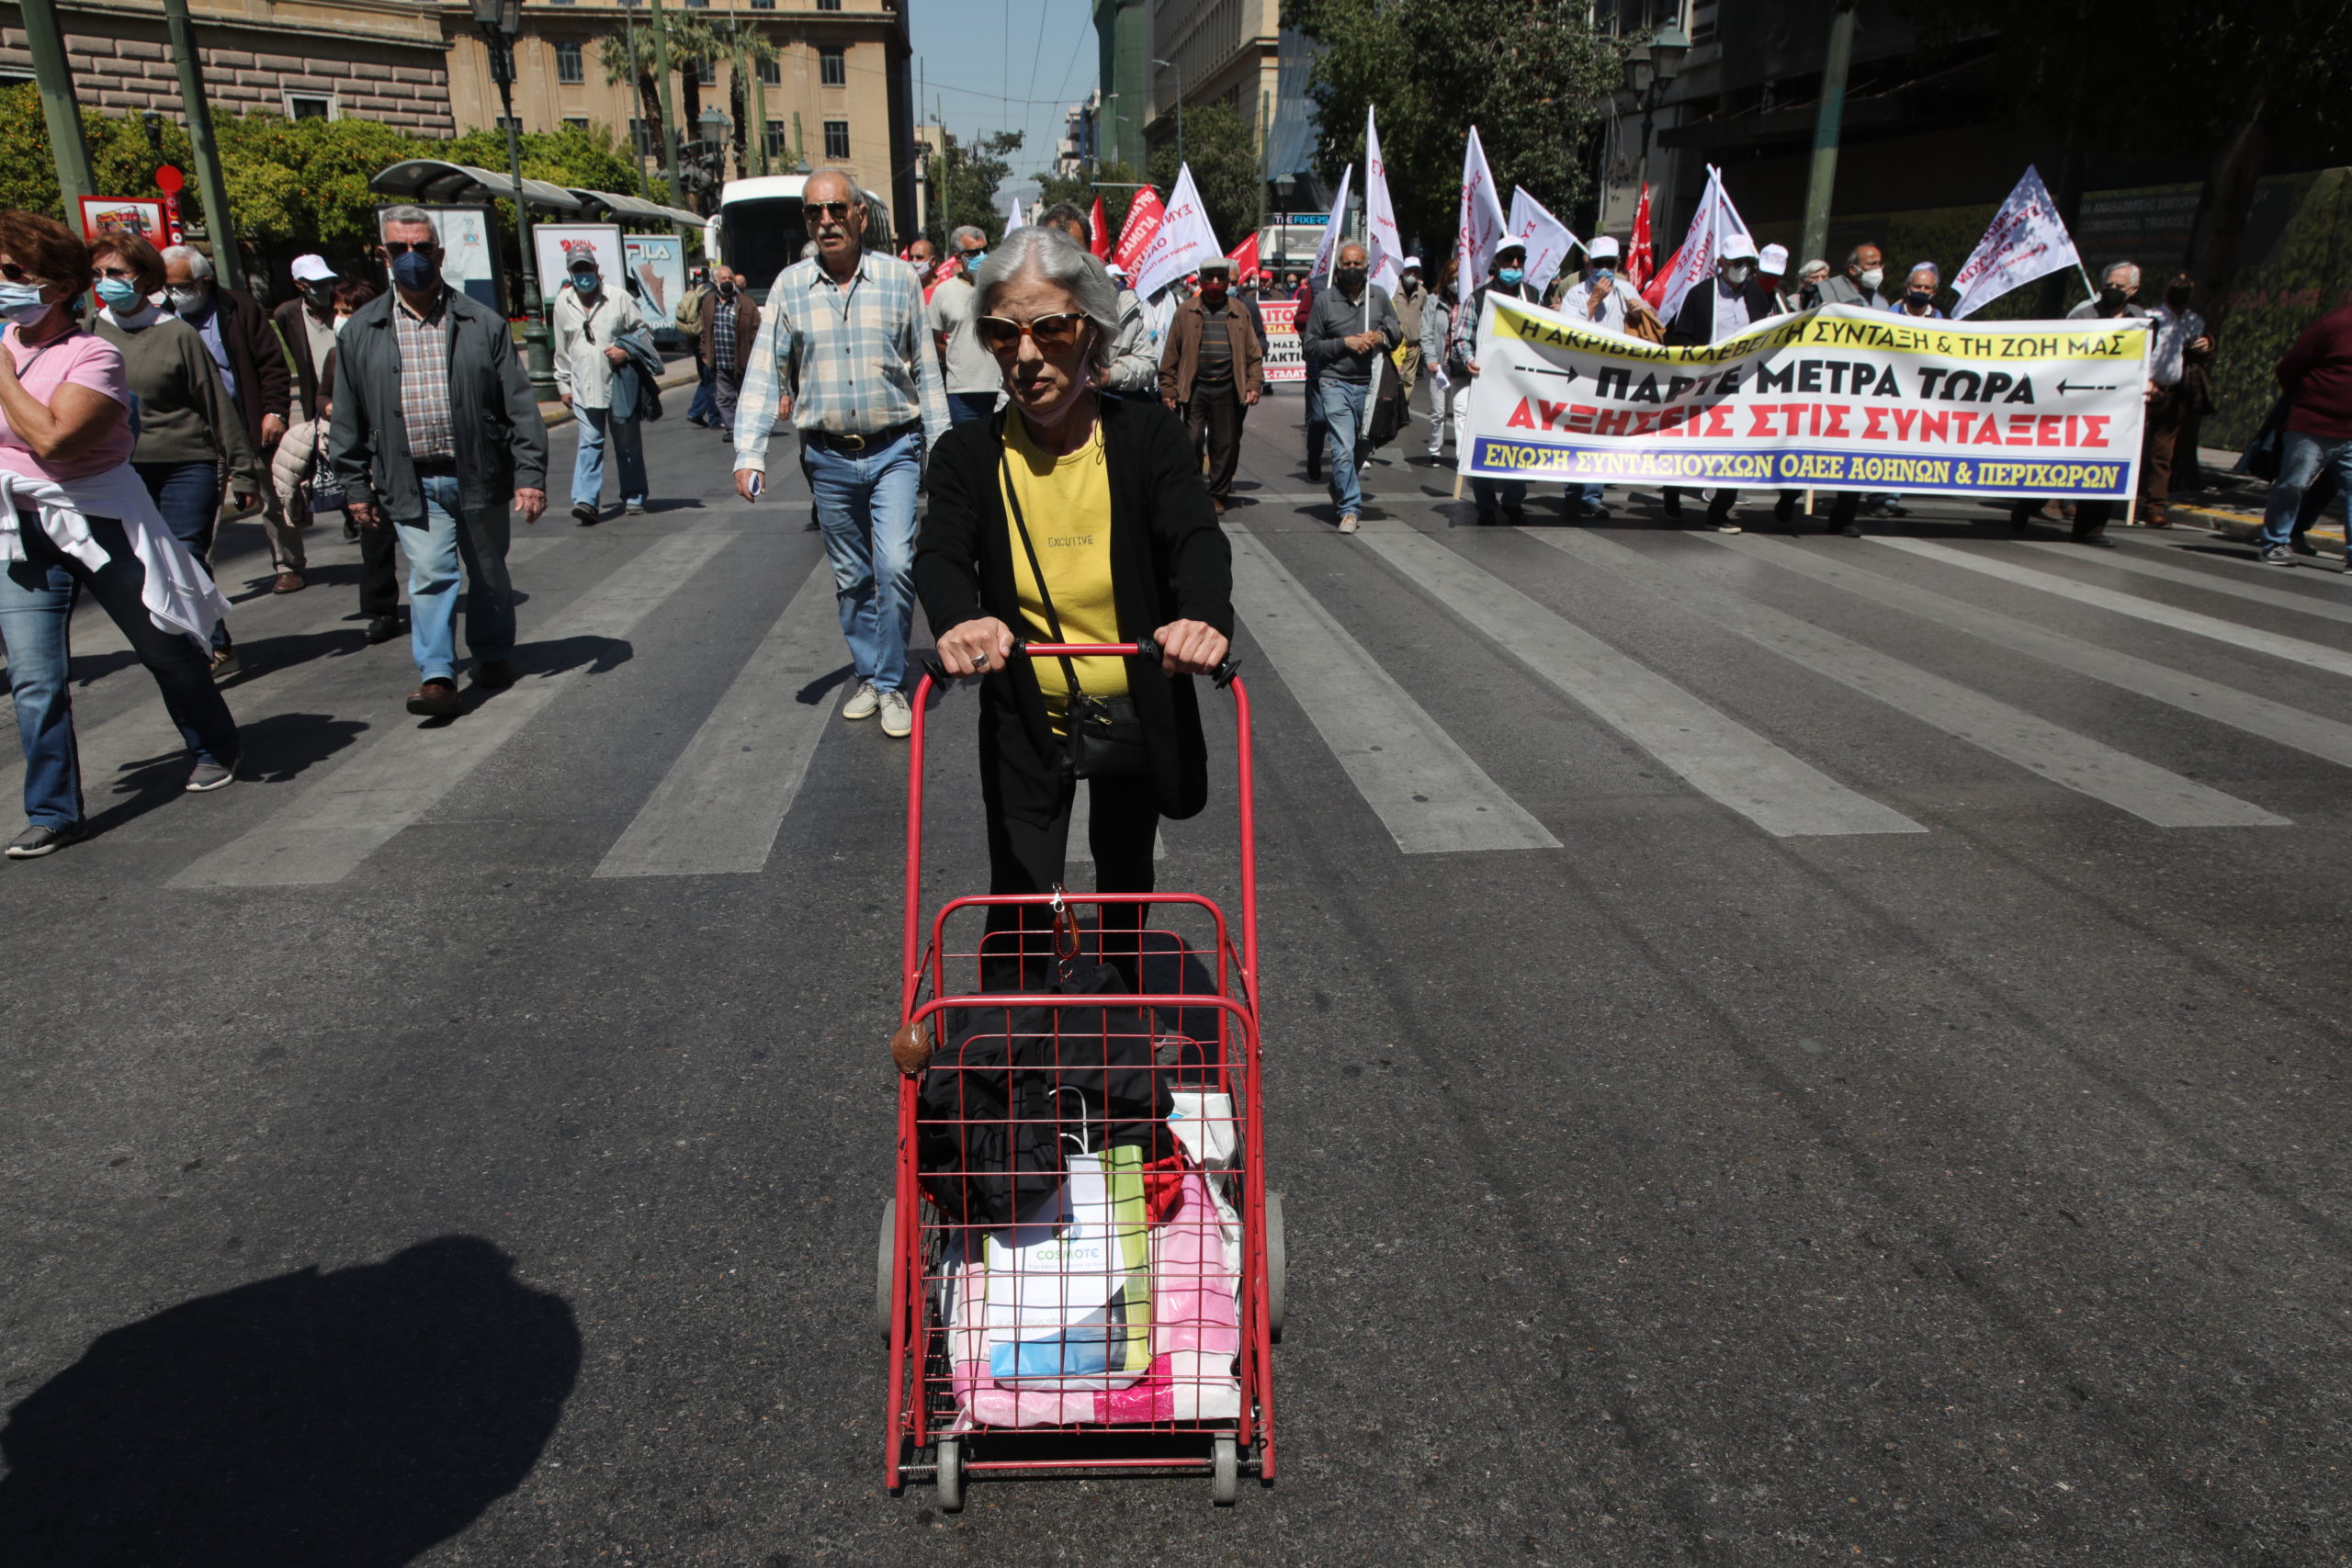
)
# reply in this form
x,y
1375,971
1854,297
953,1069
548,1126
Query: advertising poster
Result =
x,y
554,243
657,264
1842,398
1285,362
469,253
140,215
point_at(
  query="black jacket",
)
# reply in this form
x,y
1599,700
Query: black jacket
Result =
x,y
288,319
263,385
1694,323
1168,562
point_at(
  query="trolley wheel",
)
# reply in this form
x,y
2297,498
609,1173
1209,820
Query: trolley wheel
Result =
x,y
1277,1268
1225,1483
886,1268
951,1476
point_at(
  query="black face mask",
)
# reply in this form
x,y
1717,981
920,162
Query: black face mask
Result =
x,y
728,289
2110,301
1349,276
2179,298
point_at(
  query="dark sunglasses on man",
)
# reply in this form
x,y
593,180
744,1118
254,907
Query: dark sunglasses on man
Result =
x,y
836,212
402,247
1001,335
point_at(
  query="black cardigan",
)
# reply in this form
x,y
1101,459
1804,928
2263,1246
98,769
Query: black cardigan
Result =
x,y
1170,562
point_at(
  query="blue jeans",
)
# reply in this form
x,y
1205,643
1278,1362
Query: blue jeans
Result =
x,y
37,597
1586,498
866,508
588,463
188,495
704,406
1342,408
2301,459
436,543
965,407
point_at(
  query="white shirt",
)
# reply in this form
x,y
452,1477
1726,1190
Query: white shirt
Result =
x,y
1731,312
954,308
583,330
1577,304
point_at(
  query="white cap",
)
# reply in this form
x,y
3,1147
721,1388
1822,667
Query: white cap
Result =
x,y
1602,248
1508,243
1738,247
1411,264
1217,264
312,269
1775,260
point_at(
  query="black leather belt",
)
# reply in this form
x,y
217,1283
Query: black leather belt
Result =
x,y
833,443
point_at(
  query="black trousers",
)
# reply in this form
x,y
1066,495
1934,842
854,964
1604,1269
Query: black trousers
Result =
x,y
1214,416
1717,509
1123,826
380,572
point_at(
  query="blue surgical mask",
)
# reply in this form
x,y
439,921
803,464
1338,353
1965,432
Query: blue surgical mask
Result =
x,y
1511,277
583,279
22,303
973,261
1603,275
415,270
119,293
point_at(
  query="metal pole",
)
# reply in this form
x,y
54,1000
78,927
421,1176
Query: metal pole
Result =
x,y
669,104
1265,146
538,359
60,108
217,223
1828,126
759,113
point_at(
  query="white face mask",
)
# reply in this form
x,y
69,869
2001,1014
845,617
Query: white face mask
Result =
x,y
1737,273
189,301
1873,277
341,322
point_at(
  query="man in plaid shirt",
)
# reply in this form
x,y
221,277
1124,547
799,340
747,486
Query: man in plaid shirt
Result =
x,y
844,350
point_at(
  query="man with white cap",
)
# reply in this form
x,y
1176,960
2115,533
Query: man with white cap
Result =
x,y
1772,268
1409,299
1712,312
305,325
1608,300
1507,279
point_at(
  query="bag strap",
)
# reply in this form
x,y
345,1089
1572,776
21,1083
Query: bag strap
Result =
x,y
1036,570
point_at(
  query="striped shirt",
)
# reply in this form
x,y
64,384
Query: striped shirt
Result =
x,y
855,361
424,380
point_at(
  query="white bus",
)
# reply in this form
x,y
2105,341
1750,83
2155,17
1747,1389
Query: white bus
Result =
x,y
758,228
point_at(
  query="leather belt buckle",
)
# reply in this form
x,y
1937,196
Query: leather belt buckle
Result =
x,y
853,442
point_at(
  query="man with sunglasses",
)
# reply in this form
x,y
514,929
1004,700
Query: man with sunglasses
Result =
x,y
844,351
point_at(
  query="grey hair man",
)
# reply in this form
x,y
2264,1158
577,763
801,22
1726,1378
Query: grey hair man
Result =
x,y
237,332
435,432
1349,328
844,351
1862,282
973,379
1135,365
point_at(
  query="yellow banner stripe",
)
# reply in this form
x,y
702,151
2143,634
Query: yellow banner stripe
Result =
x,y
1939,340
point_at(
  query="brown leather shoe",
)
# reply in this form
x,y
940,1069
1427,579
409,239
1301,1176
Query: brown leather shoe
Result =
x,y
288,582
495,674
435,699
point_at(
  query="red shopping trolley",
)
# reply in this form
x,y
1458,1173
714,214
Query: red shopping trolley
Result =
x,y
1081,1271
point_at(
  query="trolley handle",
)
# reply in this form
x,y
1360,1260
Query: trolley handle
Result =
x,y
1142,648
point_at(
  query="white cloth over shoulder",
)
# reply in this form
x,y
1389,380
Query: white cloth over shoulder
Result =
x,y
178,593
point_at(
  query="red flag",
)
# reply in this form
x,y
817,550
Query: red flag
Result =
x,y
1099,225
1145,215
1245,256
1638,254
1654,289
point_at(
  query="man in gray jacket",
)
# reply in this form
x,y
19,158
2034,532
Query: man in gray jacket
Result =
x,y
1862,285
435,432
1349,328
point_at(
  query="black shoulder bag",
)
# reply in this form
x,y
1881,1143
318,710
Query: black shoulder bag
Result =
x,y
1105,737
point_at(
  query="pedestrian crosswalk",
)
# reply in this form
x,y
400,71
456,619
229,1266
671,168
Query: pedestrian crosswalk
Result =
x,y
1898,634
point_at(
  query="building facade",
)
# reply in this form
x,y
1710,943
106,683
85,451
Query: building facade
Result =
x,y
1216,52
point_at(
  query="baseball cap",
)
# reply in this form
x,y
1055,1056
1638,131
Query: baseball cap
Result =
x,y
1602,248
312,269
1217,263
1774,260
1508,243
1411,264
1738,247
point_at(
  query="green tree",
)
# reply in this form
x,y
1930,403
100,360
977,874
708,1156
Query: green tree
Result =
x,y
1081,190
1532,75
969,180
1224,155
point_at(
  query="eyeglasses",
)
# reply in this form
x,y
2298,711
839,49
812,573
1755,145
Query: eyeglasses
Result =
x,y
836,210
402,247
1000,336
14,274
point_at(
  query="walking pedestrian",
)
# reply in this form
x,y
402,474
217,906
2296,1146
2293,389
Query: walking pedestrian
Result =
x,y
75,518
1317,432
688,319
2178,367
189,428
1082,518
379,560
2118,285
845,353
1865,271
1412,296
925,261
1350,326
1714,312
2315,375
435,432
730,323
1213,372
1437,347
305,327
1505,278
236,330
1918,298
1134,360
1605,299
589,321
971,373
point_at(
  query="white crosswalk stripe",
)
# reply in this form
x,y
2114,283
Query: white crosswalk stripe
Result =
x,y
1426,790
2336,661
723,800
393,781
2206,582
2057,754
1722,759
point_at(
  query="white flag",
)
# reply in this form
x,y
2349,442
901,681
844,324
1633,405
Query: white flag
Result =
x,y
1480,219
1328,250
1715,222
1183,242
1385,245
2028,239
1548,239
1013,220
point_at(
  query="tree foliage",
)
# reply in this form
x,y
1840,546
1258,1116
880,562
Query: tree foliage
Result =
x,y
1223,153
1080,189
1532,75
967,182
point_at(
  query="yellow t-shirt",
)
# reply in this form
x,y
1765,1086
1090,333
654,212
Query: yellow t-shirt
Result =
x,y
1066,503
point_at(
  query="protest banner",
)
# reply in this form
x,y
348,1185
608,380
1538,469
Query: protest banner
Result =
x,y
1548,239
1183,243
1013,220
1383,245
2027,240
1244,257
1144,215
1325,248
1839,398
1639,256
1285,361
1099,228
1714,221
1479,223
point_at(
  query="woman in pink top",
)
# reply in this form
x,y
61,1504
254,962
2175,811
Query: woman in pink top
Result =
x,y
75,517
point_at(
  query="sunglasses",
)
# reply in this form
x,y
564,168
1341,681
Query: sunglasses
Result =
x,y
1000,336
836,210
402,247
14,274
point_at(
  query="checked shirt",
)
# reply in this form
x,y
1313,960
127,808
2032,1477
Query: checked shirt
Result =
x,y
855,361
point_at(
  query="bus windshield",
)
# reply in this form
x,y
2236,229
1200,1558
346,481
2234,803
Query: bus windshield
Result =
x,y
759,238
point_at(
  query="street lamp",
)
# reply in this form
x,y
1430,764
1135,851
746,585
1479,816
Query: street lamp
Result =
x,y
714,123
500,21
1179,107
1650,70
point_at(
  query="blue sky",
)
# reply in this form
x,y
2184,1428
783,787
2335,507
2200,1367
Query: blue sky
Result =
x,y
1005,65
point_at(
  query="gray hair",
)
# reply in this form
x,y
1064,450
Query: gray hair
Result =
x,y
1053,258
1817,265
1930,268
1854,257
199,265
408,213
2130,270
972,229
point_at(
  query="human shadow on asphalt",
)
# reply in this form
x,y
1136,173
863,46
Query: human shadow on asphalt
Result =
x,y
88,669
281,748
814,692
357,1418
597,654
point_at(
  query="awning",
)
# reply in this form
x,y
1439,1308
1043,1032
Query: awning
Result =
x,y
637,209
430,179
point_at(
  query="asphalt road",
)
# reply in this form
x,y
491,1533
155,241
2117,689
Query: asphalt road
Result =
x,y
1779,1051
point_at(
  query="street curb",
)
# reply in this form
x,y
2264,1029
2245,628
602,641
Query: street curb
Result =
x,y
2235,522
684,378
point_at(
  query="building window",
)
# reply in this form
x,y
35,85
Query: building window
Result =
x,y
309,106
829,4
775,142
762,4
507,122
832,65
706,73
837,138
575,122
771,72
570,69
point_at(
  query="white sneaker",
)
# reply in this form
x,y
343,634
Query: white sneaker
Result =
x,y
898,715
863,703
1726,527
1347,523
